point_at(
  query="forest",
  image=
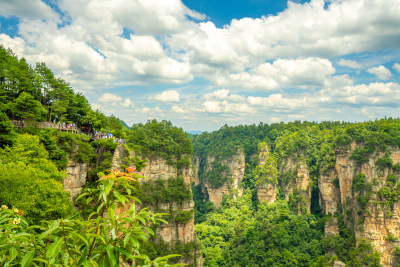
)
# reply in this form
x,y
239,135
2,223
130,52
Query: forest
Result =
x,y
40,225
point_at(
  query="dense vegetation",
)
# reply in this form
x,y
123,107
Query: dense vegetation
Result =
x,y
161,139
34,159
96,241
291,144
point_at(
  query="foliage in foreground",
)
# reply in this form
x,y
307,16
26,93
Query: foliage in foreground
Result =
x,y
31,182
104,239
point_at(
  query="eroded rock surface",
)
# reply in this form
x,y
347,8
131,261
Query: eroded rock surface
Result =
x,y
236,165
76,178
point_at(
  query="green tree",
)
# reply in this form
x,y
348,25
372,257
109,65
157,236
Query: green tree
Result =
x,y
96,120
26,107
29,180
100,240
7,134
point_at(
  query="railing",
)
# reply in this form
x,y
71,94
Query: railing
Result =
x,y
51,125
65,127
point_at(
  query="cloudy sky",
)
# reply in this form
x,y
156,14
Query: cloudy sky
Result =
x,y
206,63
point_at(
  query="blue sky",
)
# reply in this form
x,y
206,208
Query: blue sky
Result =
x,y
203,64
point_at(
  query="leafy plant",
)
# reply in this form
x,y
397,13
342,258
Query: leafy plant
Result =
x,y
103,239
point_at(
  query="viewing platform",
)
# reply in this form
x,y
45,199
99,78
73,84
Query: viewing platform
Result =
x,y
51,125
68,128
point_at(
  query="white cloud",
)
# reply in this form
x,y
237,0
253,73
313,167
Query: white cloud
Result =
x,y
307,29
381,72
212,106
223,94
101,44
109,98
128,103
396,66
168,96
177,109
141,16
309,72
350,63
34,9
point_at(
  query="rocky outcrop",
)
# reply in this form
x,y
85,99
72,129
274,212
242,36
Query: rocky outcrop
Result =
x,y
373,220
291,174
158,168
235,173
76,178
294,179
266,191
177,231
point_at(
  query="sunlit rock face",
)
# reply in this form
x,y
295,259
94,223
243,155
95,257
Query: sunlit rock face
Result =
x,y
158,168
293,178
376,222
236,167
76,178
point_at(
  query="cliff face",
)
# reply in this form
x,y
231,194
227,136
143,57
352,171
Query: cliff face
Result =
x,y
266,191
76,178
290,174
294,179
235,173
363,191
157,169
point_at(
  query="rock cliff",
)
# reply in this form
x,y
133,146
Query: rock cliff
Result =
x,y
290,174
76,178
266,189
158,171
294,180
233,172
367,192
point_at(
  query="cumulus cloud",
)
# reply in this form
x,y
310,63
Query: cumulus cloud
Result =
x,y
364,95
396,66
381,72
168,96
307,29
177,109
350,63
33,9
223,94
108,97
287,58
310,72
128,103
225,107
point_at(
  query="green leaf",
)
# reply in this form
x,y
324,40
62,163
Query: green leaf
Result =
x,y
124,252
108,188
111,256
81,238
120,197
89,199
53,227
126,239
100,174
149,230
111,215
93,263
27,258
54,249
81,195
97,237
13,253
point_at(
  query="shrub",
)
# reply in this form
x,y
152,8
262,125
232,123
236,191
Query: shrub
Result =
x,y
98,241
